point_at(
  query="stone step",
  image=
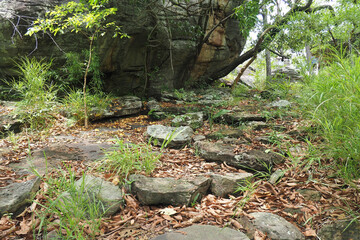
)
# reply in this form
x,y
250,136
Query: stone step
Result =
x,y
168,191
250,160
180,136
15,197
274,226
203,232
236,118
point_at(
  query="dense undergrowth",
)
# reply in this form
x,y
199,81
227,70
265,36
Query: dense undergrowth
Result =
x,y
332,100
41,100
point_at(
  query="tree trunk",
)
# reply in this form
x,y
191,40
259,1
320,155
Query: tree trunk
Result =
x,y
308,57
242,72
267,52
86,120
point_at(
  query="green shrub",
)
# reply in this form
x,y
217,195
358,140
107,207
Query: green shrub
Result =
x,y
333,100
125,159
73,210
71,75
240,91
38,96
73,104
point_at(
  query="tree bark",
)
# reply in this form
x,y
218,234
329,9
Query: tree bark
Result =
x,y
308,57
267,52
86,120
242,72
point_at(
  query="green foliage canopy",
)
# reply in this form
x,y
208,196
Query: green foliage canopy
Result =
x,y
87,17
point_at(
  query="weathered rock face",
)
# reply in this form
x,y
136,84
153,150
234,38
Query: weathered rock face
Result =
x,y
99,190
273,225
340,230
164,51
252,160
15,197
168,191
178,136
223,185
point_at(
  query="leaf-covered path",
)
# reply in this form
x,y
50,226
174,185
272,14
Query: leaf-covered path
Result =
x,y
305,193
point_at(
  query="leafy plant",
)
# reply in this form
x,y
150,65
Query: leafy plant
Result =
x,y
213,116
72,104
71,74
333,101
78,216
38,96
247,188
240,91
89,18
125,159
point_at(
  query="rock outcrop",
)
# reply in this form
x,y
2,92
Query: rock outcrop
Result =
x,y
166,47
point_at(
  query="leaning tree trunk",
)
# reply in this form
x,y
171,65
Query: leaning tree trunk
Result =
x,y
86,120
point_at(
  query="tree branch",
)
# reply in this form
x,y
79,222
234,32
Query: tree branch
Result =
x,y
269,33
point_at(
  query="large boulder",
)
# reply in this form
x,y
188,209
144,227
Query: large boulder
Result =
x,y
163,51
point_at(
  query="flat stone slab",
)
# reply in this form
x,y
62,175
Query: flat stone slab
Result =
x,y
180,135
256,125
193,120
119,107
249,160
153,105
168,191
280,104
229,132
223,185
15,197
310,194
52,156
340,230
99,190
276,227
235,118
203,232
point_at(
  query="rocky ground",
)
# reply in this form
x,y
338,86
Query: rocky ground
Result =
x,y
255,145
